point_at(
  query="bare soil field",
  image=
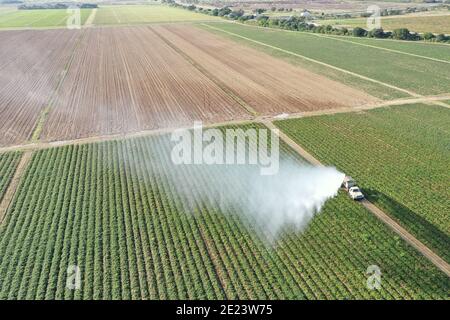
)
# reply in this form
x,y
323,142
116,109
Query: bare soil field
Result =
x,y
268,85
127,79
31,63
102,81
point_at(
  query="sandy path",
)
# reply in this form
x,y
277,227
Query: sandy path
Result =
x,y
391,223
11,190
40,145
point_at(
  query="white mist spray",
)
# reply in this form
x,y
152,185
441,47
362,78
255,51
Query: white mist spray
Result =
x,y
267,203
289,198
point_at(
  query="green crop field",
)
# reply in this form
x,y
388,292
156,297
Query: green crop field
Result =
x,y
432,50
400,157
8,164
107,15
416,74
38,18
113,210
432,23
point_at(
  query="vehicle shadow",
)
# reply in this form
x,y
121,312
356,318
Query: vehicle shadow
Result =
x,y
426,232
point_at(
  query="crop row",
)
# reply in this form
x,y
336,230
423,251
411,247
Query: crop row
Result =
x,y
139,227
399,155
8,164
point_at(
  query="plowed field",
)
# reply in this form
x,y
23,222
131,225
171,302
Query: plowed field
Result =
x,y
31,63
127,79
267,84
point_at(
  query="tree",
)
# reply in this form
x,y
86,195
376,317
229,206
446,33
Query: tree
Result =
x,y
274,22
263,21
376,33
359,32
429,36
441,38
259,10
401,34
224,11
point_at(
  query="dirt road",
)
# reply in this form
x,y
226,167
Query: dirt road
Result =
x,y
391,223
11,190
39,145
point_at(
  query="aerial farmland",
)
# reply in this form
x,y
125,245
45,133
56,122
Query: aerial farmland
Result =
x,y
178,151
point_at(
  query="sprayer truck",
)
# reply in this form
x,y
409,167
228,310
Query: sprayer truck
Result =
x,y
353,190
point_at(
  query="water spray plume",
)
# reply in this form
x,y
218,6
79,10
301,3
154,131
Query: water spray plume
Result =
x,y
290,198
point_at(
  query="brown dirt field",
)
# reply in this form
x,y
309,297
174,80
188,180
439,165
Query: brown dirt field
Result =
x,y
267,84
127,79
31,63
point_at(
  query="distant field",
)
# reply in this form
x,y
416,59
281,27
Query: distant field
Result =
x,y
146,14
399,155
432,50
406,72
113,210
435,24
38,18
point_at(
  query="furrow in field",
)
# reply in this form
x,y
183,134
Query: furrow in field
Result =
x,y
266,84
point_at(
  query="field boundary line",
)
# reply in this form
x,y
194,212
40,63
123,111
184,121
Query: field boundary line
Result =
x,y
223,86
437,100
381,48
337,38
381,215
334,35
302,152
90,20
317,61
41,145
12,187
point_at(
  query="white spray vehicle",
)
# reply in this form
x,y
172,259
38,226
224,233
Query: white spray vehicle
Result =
x,y
353,190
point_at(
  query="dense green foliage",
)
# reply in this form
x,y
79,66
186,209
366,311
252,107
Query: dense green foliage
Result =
x,y
399,156
422,24
431,50
407,72
111,209
8,164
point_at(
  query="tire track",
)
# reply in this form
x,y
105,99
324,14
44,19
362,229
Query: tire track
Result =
x,y
440,263
12,187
